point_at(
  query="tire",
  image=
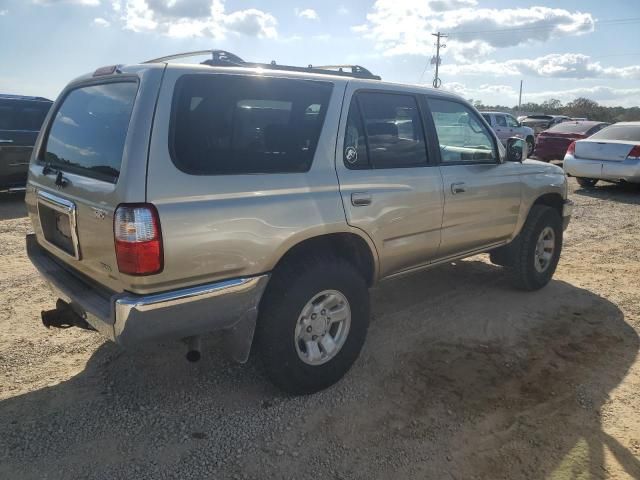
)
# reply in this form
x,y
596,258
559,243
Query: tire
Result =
x,y
587,182
527,269
291,288
530,146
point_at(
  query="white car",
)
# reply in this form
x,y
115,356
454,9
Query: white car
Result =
x,y
612,154
506,127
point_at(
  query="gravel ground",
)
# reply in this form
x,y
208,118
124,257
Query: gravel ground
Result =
x,y
461,377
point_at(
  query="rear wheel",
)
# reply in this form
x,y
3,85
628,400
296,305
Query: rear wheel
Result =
x,y
587,182
313,323
536,250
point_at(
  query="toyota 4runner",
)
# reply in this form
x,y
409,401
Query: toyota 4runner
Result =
x,y
263,201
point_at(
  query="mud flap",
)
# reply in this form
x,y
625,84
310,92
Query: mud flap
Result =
x,y
237,340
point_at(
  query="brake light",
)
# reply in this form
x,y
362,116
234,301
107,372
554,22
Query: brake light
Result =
x,y
136,230
572,148
634,154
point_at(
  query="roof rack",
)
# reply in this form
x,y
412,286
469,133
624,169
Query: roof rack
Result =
x,y
222,58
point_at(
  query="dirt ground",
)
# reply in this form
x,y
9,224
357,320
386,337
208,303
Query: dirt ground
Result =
x,y
462,377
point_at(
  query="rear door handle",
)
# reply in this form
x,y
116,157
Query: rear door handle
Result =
x,y
360,199
5,141
457,188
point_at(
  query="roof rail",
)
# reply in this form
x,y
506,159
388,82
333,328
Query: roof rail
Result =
x,y
222,58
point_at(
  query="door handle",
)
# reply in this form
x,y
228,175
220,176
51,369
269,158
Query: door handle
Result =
x,y
457,188
5,141
360,199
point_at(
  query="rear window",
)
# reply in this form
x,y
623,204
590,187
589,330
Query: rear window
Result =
x,y
572,127
89,129
629,133
229,124
22,115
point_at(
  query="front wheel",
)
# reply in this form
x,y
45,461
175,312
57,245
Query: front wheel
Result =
x,y
313,323
587,182
536,250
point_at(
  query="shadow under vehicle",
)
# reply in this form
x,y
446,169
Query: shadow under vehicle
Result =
x,y
462,377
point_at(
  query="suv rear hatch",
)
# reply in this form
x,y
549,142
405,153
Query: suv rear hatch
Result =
x,y
91,156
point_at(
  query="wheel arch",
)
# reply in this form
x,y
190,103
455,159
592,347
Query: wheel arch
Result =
x,y
350,246
552,199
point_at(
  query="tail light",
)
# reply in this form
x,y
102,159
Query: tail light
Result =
x,y
634,154
572,148
136,229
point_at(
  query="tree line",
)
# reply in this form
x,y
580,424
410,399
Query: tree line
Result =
x,y
580,107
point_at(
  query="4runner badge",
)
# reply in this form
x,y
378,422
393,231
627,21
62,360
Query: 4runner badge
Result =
x,y
351,155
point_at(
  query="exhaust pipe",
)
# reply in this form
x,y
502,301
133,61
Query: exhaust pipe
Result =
x,y
63,316
194,347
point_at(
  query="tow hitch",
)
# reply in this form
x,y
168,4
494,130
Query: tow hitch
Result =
x,y
63,316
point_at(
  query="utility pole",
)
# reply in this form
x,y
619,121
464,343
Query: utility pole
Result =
x,y
436,60
520,99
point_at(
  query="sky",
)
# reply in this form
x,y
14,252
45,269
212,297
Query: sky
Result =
x,y
559,49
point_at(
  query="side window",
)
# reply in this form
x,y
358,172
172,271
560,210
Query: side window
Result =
x,y
597,128
33,116
7,117
355,154
462,137
512,122
229,124
487,117
500,121
393,130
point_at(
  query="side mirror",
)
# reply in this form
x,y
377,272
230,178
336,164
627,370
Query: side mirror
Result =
x,y
516,149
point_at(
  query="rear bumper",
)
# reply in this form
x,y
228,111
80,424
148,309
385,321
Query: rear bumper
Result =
x,y
230,306
627,170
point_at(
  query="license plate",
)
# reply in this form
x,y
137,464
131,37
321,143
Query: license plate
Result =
x,y
58,222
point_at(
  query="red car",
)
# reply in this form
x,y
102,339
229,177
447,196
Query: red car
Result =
x,y
552,144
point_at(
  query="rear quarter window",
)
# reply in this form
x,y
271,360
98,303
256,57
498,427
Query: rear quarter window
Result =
x,y
231,124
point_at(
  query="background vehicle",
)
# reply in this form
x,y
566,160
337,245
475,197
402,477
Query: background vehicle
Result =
x,y
506,127
20,121
540,123
552,144
612,154
240,198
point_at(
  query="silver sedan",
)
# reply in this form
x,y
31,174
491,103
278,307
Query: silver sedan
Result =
x,y
612,154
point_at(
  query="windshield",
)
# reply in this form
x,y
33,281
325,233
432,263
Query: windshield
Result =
x,y
629,133
89,129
